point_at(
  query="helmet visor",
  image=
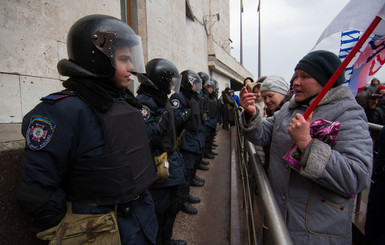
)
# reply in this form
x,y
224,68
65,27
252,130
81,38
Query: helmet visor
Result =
x,y
197,85
121,49
175,83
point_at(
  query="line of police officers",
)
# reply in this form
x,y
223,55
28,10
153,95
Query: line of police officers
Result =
x,y
88,150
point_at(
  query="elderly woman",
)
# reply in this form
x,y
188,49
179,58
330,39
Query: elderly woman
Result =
x,y
274,91
315,192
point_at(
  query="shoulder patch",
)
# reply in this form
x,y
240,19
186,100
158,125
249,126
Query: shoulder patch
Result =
x,y
39,132
55,96
175,103
145,112
52,98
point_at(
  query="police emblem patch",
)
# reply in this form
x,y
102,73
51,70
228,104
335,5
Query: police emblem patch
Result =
x,y
145,112
39,132
175,103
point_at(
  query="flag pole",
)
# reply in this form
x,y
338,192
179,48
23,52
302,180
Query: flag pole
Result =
x,y
342,67
259,39
241,42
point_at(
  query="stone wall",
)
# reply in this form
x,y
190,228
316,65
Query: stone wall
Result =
x,y
32,41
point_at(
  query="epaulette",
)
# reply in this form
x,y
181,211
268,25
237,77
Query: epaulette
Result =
x,y
52,98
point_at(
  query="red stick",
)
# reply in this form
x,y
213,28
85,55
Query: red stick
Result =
x,y
342,67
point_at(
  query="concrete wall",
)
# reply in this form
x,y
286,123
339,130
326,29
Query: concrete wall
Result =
x,y
174,36
32,41
198,44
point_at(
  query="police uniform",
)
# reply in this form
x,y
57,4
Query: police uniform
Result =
x,y
210,124
63,137
192,140
167,195
86,147
160,79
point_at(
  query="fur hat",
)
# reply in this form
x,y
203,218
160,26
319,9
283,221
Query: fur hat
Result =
x,y
275,84
321,65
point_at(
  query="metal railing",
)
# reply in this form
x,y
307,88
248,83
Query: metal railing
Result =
x,y
252,172
375,127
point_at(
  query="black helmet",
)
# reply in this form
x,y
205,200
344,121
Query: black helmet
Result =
x,y
205,77
93,40
211,84
191,81
216,89
163,74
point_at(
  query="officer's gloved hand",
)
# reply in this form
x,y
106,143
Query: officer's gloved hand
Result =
x,y
163,122
186,115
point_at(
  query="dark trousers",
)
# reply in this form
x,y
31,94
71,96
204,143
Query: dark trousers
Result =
x,y
375,215
190,160
167,201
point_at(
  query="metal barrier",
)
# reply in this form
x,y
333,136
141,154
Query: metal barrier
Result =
x,y
252,169
375,127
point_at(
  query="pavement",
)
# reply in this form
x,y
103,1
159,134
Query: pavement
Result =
x,y
211,226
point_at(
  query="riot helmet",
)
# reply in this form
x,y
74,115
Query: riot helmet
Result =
x,y
164,75
93,40
205,77
191,81
216,89
210,84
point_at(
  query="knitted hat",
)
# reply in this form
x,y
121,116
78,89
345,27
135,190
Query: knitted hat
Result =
x,y
275,84
321,65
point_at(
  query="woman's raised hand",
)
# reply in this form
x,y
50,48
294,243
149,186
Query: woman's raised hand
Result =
x,y
248,101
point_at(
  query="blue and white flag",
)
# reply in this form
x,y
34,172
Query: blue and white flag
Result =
x,y
344,32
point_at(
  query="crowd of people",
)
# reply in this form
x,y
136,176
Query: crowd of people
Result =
x,y
104,166
316,165
122,166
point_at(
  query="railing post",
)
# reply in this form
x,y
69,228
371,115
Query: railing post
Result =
x,y
277,227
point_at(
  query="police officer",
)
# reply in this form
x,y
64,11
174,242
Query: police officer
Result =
x,y
87,144
219,115
211,120
192,142
160,79
210,110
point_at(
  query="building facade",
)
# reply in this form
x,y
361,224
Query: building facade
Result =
x,y
193,34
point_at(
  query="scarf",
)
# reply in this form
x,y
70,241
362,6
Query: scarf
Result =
x,y
99,93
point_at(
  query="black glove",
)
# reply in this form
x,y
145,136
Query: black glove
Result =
x,y
163,122
186,115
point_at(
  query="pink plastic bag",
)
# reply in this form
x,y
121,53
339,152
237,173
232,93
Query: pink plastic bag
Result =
x,y
321,129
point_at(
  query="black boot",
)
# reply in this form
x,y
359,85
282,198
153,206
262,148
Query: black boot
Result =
x,y
213,153
202,167
188,208
192,199
204,162
176,242
199,179
209,156
197,183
